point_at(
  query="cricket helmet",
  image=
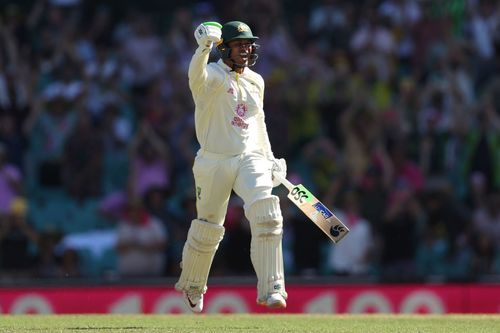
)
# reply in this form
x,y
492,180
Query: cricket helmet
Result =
x,y
234,30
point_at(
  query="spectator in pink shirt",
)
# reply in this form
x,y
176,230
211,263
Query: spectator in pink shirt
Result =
x,y
149,162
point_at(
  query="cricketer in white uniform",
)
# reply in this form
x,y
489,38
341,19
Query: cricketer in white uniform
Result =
x,y
235,154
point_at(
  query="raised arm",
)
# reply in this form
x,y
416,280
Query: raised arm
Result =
x,y
206,34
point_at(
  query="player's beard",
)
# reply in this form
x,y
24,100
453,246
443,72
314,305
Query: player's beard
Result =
x,y
242,60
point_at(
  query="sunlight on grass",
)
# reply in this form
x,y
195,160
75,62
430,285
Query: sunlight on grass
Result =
x,y
252,323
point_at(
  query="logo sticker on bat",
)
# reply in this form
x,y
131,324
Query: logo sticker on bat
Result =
x,y
301,194
336,230
323,210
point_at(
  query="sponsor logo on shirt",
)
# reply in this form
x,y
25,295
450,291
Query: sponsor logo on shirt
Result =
x,y
241,111
238,122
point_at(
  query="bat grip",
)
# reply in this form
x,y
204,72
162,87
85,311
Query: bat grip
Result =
x,y
283,181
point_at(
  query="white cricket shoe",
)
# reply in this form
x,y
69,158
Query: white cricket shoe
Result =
x,y
274,301
194,300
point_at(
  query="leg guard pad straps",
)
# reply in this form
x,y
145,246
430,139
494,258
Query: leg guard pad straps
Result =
x,y
266,253
199,250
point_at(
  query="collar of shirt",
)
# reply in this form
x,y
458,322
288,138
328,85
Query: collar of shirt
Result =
x,y
226,68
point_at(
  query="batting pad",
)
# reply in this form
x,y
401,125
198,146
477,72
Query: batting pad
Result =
x,y
202,242
266,224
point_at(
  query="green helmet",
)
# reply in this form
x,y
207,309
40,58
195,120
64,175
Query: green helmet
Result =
x,y
237,30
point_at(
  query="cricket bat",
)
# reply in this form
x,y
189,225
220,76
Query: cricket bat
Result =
x,y
314,209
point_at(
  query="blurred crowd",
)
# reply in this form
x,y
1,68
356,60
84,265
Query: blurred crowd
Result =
x,y
387,110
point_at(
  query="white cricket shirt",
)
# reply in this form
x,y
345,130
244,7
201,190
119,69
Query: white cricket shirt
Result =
x,y
229,115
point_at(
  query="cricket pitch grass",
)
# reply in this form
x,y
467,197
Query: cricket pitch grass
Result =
x,y
208,323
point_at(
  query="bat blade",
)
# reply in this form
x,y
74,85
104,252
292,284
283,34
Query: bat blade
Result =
x,y
318,213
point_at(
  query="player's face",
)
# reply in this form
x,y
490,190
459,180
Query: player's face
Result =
x,y
241,49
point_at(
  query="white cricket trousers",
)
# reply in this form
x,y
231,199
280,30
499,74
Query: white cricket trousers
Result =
x,y
215,175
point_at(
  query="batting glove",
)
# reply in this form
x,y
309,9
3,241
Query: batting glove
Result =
x,y
279,166
208,33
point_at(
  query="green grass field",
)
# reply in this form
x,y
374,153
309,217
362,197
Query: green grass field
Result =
x,y
252,323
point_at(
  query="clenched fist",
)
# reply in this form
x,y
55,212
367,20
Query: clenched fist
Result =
x,y
208,33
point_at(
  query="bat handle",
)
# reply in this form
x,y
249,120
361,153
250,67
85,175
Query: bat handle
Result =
x,y
283,181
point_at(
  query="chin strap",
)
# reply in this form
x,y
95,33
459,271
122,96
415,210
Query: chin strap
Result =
x,y
234,65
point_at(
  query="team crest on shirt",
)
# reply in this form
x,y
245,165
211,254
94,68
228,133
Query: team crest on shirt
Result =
x,y
230,91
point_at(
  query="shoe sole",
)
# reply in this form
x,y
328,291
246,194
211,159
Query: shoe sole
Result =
x,y
277,305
